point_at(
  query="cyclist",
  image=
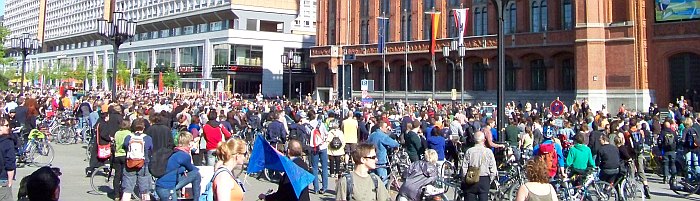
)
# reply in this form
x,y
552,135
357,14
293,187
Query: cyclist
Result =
x,y
608,159
380,139
418,175
552,152
580,158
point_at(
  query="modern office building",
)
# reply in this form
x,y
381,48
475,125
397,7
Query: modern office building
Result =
x,y
306,22
234,45
608,51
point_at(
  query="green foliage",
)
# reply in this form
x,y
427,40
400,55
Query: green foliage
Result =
x,y
4,83
4,32
142,78
123,74
99,73
170,78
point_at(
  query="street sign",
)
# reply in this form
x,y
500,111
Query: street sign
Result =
x,y
363,85
556,108
366,99
454,94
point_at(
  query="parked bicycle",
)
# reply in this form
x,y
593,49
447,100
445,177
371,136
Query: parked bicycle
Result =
x,y
37,151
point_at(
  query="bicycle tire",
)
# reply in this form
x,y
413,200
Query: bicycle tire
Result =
x,y
679,186
40,149
601,190
101,180
512,191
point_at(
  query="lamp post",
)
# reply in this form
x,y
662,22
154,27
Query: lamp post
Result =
x,y
117,31
25,46
461,52
290,59
500,103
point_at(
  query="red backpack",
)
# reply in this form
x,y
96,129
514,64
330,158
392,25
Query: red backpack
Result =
x,y
549,153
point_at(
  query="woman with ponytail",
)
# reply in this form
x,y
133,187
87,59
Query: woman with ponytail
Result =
x,y
230,153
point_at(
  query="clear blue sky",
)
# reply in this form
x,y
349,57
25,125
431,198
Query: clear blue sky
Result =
x,y
2,7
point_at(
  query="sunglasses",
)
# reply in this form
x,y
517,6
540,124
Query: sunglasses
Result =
x,y
370,157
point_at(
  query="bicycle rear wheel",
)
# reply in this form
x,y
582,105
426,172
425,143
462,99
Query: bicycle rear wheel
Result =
x,y
631,189
41,154
601,190
683,186
101,180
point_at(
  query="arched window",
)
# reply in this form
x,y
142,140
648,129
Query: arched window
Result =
x,y
479,76
364,21
543,15
567,14
539,74
480,21
510,18
568,74
535,16
427,78
511,78
539,16
406,20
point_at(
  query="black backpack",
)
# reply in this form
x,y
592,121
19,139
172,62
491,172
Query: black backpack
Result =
x,y
159,162
349,185
691,138
669,141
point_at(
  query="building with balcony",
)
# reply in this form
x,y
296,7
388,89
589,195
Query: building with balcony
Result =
x,y
609,51
237,43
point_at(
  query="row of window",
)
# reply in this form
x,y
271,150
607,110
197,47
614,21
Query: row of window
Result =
x,y
538,77
186,30
539,18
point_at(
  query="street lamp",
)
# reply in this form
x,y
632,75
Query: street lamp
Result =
x,y
461,52
290,60
117,31
500,103
24,45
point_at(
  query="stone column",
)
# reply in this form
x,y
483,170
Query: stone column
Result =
x,y
590,58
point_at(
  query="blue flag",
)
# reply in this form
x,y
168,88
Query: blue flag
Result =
x,y
382,22
265,156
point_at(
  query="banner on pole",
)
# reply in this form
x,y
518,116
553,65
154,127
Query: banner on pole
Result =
x,y
461,16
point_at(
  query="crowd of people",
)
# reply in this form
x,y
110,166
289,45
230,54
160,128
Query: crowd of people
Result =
x,y
168,136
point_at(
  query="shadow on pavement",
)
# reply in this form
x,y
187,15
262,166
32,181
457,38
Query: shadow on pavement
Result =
x,y
663,194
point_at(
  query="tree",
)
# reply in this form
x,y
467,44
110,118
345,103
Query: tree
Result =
x,y
123,73
142,78
99,73
4,32
170,78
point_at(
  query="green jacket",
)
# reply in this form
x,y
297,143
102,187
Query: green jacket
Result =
x,y
119,142
413,145
580,157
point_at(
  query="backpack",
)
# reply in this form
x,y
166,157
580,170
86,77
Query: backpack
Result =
x,y
336,143
349,185
691,138
548,151
316,138
637,141
159,162
295,132
669,141
208,194
136,153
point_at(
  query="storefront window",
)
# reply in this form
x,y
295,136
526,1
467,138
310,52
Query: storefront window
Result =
x,y
191,56
246,55
221,54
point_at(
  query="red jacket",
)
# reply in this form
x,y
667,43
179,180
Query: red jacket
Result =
x,y
213,135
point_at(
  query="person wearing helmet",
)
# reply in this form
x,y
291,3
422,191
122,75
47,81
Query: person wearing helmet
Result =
x,y
552,152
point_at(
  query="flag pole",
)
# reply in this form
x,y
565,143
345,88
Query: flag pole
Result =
x,y
381,41
405,54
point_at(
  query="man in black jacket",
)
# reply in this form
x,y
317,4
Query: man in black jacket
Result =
x,y
668,139
594,139
160,132
285,191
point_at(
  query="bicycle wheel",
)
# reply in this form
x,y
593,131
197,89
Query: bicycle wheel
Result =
x,y
101,180
601,190
631,189
683,186
41,154
448,171
512,191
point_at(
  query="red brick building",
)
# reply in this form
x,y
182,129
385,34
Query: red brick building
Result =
x,y
609,51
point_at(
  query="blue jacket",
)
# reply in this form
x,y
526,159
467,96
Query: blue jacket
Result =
x,y
437,143
276,132
7,151
382,141
180,161
557,147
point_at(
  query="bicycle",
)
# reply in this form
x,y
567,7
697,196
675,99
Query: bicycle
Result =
x,y
397,165
36,148
591,188
688,184
629,185
653,163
